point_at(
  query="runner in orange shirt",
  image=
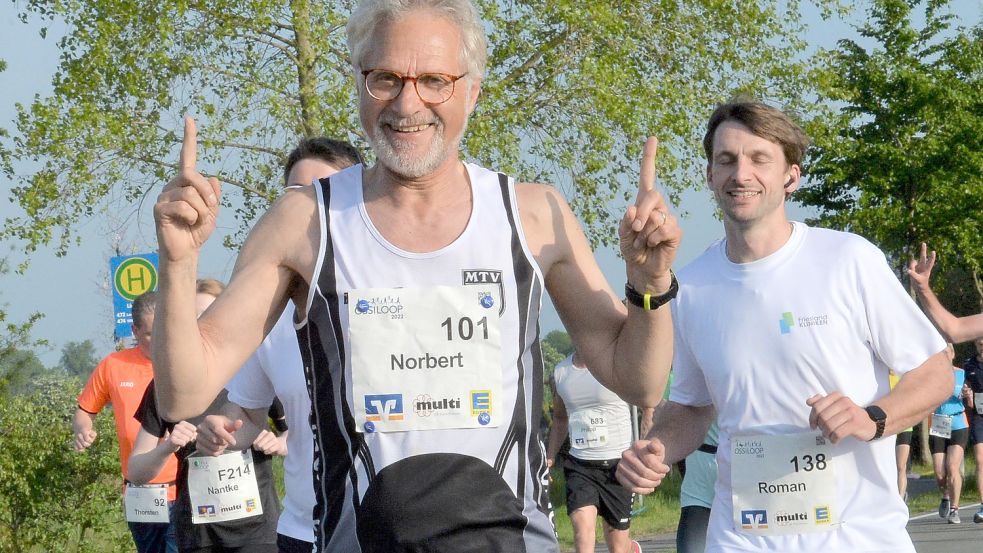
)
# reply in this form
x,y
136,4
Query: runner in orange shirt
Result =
x,y
121,379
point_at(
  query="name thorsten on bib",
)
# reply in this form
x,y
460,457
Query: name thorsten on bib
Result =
x,y
425,358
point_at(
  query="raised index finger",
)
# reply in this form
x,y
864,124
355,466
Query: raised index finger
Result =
x,y
189,145
646,174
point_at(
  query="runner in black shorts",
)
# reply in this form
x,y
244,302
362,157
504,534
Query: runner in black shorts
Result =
x,y
598,425
593,483
973,367
949,435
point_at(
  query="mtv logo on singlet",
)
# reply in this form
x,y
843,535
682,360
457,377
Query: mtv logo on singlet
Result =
x,y
389,406
486,277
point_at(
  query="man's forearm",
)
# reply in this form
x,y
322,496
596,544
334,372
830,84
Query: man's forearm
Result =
x,y
643,356
919,391
143,467
680,428
941,317
181,379
558,433
253,422
82,421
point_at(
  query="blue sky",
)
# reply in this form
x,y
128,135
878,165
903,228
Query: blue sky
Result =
x,y
73,291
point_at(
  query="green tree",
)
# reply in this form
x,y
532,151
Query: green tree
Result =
x,y
79,358
18,364
52,498
560,345
572,89
19,369
899,159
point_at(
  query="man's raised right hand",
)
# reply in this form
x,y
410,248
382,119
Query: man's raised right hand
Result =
x,y
187,209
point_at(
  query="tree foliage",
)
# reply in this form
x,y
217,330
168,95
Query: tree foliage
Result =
x,y
18,364
900,159
19,369
572,90
52,498
79,359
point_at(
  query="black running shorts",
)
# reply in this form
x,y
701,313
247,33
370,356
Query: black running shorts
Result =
x,y
593,483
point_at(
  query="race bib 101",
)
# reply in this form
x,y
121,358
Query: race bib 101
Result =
x,y
425,358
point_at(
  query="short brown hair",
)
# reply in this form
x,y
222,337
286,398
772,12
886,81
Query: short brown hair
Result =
x,y
209,286
337,153
763,120
144,304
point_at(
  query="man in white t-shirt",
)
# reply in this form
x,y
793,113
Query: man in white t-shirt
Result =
x,y
276,370
787,332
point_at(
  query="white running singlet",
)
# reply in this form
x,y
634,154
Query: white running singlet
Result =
x,y
599,420
444,488
276,370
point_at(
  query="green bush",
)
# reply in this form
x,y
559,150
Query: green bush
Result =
x,y
52,498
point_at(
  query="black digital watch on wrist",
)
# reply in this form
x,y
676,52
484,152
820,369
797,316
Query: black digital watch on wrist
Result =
x,y
879,417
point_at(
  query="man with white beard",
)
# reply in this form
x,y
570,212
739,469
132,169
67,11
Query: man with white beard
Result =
x,y
417,284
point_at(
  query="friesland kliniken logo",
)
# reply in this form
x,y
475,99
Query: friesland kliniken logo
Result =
x,y
786,322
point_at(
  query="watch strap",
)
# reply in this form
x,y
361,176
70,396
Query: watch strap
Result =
x,y
879,417
651,302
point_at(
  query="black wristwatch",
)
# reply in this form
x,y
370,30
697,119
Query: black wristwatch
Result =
x,y
877,415
648,301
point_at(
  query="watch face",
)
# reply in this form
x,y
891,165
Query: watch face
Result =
x,y
876,413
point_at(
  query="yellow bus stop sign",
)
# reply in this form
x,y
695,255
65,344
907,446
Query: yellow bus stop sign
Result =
x,y
133,277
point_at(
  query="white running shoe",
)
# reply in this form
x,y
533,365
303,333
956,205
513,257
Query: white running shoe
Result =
x,y
953,517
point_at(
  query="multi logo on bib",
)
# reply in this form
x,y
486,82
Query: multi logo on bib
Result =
x,y
426,358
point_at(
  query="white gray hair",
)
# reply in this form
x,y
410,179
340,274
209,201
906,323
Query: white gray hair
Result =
x,y
370,13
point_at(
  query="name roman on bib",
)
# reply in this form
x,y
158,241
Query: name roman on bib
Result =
x,y
426,361
766,488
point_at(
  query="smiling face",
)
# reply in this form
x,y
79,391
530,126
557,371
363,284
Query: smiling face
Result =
x,y
412,138
749,177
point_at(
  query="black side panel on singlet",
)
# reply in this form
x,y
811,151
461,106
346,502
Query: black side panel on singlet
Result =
x,y
331,438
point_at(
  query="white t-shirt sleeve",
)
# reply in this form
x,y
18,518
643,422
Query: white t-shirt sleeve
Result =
x,y
689,385
899,333
251,388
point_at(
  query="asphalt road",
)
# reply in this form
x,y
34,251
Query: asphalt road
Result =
x,y
932,534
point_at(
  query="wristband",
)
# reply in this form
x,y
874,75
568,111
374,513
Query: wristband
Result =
x,y
649,302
